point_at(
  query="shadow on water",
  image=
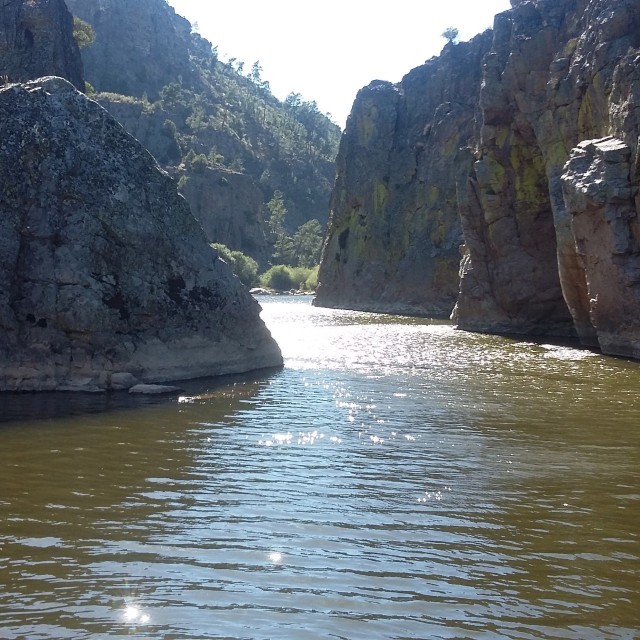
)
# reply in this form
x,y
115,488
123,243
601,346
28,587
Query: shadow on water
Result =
x,y
21,407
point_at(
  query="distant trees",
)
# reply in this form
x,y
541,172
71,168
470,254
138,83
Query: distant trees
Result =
x,y
307,243
281,277
302,249
282,244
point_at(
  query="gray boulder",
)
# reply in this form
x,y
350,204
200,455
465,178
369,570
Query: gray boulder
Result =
x,y
103,269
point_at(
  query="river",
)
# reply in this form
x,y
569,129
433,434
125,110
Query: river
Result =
x,y
397,479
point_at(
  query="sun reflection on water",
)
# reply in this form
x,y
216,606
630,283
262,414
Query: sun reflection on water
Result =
x,y
132,614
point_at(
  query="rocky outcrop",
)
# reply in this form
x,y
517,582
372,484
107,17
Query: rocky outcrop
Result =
x,y
139,48
547,85
36,39
602,201
106,279
560,75
394,231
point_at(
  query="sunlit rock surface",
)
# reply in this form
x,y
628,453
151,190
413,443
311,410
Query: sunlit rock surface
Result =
x,y
602,203
104,272
548,84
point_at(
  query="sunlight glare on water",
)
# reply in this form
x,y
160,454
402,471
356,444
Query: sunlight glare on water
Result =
x,y
397,479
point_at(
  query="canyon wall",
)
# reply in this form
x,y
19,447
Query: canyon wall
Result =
x,y
545,188
139,48
547,86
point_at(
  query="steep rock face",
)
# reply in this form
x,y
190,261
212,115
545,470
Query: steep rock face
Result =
x,y
602,201
394,233
152,45
230,208
547,85
105,276
36,39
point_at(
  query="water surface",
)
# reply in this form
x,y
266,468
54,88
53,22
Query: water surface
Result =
x,y
397,479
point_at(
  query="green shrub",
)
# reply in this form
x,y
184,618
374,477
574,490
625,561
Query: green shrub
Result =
x,y
83,33
278,278
244,266
199,163
311,283
282,277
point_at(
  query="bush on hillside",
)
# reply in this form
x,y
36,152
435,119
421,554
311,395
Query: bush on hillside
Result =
x,y
282,277
245,267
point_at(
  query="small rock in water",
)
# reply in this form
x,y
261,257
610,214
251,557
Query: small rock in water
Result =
x,y
123,380
153,389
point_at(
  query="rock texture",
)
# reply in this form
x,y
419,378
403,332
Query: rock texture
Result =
x,y
106,279
36,39
602,202
394,231
541,237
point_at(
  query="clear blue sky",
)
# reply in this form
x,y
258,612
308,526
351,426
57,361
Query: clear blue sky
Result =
x,y
327,51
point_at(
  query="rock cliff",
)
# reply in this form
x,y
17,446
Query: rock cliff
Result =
x,y
36,39
547,86
394,232
139,48
229,206
545,187
105,276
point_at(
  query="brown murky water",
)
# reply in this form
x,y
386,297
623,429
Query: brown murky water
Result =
x,y
397,479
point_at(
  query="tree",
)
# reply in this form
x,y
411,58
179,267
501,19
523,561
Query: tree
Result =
x,y
256,72
307,243
83,33
293,100
242,265
278,213
283,248
450,34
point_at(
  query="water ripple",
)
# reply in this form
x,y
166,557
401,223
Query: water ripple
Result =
x,y
397,479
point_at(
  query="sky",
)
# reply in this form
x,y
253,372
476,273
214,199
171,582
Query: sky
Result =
x,y
327,51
